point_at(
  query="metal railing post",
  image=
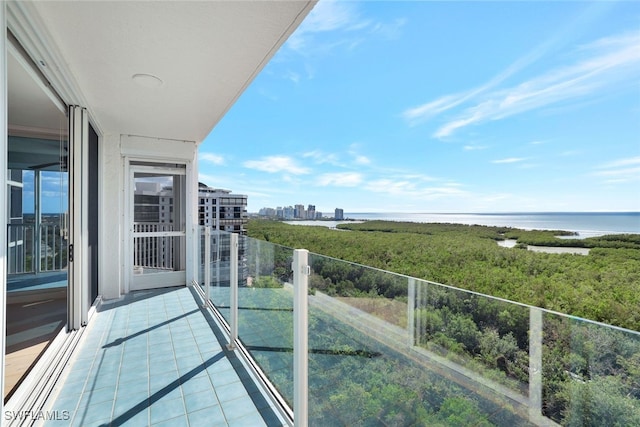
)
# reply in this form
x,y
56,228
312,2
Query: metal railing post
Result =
x,y
301,271
535,364
37,232
233,285
207,265
35,250
411,310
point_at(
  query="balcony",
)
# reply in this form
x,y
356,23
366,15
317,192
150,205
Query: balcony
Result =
x,y
156,358
275,336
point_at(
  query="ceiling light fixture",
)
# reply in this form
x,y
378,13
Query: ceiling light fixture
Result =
x,y
147,80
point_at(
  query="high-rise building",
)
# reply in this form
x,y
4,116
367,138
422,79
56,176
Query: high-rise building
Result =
x,y
268,212
221,209
152,203
339,214
289,213
217,208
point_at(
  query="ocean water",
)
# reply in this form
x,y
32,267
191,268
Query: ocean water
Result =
x,y
586,224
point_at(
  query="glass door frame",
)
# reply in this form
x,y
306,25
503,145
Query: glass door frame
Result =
x,y
135,281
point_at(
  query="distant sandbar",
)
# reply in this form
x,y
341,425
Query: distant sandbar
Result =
x,y
510,243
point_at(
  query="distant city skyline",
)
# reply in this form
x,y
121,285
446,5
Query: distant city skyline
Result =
x,y
295,211
442,107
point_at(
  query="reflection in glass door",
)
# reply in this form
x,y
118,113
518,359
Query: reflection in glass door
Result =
x,y
158,228
37,247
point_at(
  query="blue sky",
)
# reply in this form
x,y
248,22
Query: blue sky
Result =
x,y
54,191
427,106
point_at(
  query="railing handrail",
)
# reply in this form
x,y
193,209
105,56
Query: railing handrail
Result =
x,y
531,399
454,288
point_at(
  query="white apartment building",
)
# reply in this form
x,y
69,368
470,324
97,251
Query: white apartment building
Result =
x,y
221,209
217,208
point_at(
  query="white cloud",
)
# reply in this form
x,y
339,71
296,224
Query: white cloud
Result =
x,y
622,162
422,112
340,179
342,25
415,177
426,111
218,181
620,171
362,160
608,64
570,153
320,157
509,160
389,30
216,159
275,164
293,76
54,194
358,158
630,172
410,188
267,94
475,147
326,16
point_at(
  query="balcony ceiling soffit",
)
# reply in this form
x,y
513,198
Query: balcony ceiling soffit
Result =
x,y
204,53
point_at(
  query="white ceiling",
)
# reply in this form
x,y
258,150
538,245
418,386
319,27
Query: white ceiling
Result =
x,y
206,53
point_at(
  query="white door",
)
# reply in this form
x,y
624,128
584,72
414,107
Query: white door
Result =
x,y
157,232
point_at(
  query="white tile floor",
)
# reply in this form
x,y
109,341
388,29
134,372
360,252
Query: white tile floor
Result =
x,y
154,359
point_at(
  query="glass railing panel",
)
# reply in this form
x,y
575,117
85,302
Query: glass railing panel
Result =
x,y
265,310
381,294
200,256
386,349
483,336
366,363
590,373
220,261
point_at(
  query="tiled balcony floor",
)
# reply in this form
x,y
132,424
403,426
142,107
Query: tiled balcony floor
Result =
x,y
153,359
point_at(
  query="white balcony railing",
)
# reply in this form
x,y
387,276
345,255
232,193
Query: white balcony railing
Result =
x,y
387,349
26,241
153,251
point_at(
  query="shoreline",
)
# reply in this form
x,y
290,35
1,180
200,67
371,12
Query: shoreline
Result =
x,y
583,225
511,243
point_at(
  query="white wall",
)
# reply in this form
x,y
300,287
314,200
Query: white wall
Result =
x,y
110,274
116,150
